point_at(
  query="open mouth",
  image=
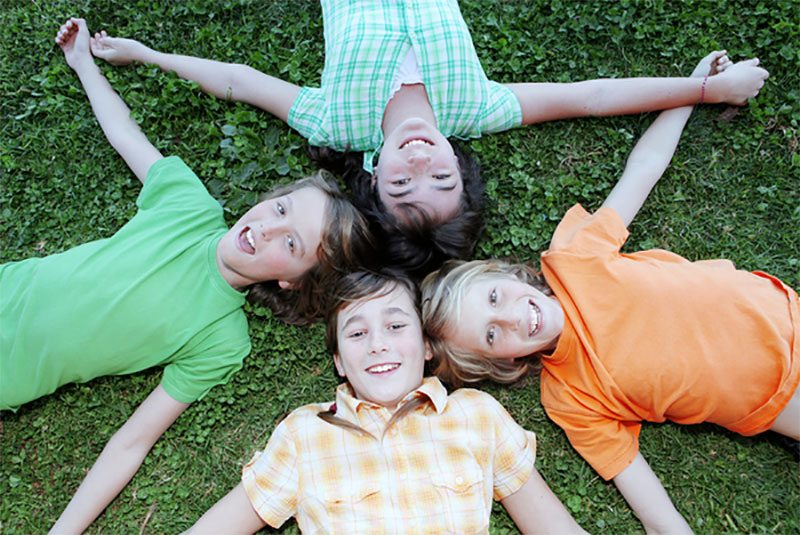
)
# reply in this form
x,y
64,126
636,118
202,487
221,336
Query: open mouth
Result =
x,y
535,322
383,368
247,242
416,141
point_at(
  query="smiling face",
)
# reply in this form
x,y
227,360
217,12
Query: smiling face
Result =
x,y
504,318
417,165
277,239
381,350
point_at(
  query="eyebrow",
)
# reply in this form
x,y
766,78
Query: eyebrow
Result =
x,y
385,312
298,238
411,190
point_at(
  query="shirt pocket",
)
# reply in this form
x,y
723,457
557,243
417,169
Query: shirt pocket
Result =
x,y
341,507
464,497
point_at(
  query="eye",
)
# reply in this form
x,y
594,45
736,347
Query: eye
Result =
x,y
280,208
401,181
493,297
396,326
441,177
356,334
490,336
290,243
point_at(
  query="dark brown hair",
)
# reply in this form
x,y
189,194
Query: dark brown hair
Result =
x,y
414,243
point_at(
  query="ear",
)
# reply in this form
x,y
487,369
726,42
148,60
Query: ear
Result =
x,y
338,363
287,285
374,179
428,350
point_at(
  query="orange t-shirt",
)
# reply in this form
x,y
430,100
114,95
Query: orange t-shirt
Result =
x,y
652,336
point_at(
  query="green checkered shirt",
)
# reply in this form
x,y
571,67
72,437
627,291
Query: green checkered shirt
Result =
x,y
365,43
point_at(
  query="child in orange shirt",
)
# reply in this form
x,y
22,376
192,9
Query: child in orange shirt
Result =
x,y
395,453
625,338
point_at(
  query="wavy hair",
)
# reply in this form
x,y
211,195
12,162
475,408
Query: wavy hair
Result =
x,y
345,242
442,294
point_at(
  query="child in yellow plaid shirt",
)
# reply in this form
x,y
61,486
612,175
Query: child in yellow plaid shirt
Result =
x,y
394,453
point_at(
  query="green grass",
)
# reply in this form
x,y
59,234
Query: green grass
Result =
x,y
731,192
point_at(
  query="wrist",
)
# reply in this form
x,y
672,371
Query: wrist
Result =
x,y
83,65
710,91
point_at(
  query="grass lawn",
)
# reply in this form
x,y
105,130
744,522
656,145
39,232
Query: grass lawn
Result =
x,y
732,192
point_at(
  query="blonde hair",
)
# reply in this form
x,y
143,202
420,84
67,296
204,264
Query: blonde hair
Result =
x,y
442,293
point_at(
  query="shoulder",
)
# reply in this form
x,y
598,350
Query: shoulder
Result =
x,y
579,230
474,400
171,181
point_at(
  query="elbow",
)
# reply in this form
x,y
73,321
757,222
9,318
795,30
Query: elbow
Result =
x,y
236,77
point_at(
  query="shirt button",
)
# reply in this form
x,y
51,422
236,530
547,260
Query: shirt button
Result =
x,y
459,480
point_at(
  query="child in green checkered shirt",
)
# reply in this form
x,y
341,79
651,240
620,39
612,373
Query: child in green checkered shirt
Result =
x,y
402,78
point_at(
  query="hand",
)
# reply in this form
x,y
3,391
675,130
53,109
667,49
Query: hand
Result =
x,y
115,50
73,38
735,83
714,63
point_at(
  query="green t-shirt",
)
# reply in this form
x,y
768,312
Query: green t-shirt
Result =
x,y
150,295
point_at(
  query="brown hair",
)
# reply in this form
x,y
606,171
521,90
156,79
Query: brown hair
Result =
x,y
345,242
349,289
442,292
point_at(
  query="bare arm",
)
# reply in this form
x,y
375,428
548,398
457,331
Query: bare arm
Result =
x,y
113,115
653,152
535,509
227,81
119,460
549,101
232,514
648,499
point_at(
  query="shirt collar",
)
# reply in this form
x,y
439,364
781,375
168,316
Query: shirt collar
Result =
x,y
347,404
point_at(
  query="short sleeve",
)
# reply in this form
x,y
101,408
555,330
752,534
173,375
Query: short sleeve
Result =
x,y
503,110
514,452
307,115
271,478
582,233
208,359
171,183
608,444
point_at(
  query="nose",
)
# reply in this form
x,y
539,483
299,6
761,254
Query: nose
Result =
x,y
377,343
269,229
507,320
419,160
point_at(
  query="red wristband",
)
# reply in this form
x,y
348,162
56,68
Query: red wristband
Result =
x,y
703,90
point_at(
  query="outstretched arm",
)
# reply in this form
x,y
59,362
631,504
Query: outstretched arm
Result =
x,y
232,514
535,509
227,81
549,101
648,499
653,152
111,112
119,461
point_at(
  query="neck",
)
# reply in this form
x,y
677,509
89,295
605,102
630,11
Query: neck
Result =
x,y
410,101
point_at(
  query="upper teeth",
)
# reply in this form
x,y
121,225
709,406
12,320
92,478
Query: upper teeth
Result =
x,y
415,142
383,368
536,316
250,239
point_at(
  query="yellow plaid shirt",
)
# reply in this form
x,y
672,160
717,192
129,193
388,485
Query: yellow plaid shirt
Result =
x,y
435,471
